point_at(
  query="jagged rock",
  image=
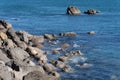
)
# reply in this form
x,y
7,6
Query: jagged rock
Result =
x,y
5,24
64,46
9,44
3,36
72,34
50,36
42,59
91,11
73,10
37,75
59,64
91,32
74,53
66,68
49,67
22,45
3,56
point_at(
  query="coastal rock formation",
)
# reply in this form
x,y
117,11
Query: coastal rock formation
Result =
x,y
91,11
73,10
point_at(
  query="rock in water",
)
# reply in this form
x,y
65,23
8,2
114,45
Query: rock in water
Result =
x,y
91,11
73,10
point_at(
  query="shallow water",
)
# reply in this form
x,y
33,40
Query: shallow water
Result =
x,y
48,16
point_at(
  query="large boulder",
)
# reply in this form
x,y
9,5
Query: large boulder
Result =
x,y
91,11
73,10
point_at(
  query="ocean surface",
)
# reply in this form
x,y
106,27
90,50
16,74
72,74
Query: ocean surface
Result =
x,y
101,50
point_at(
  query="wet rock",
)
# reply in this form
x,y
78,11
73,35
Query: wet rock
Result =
x,y
52,61
55,74
56,51
74,53
73,10
3,36
59,64
50,36
64,46
34,51
5,24
63,58
49,67
38,45
91,32
72,34
66,68
37,75
3,57
91,11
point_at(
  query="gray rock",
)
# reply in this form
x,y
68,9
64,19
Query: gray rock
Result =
x,y
42,59
49,67
73,10
37,75
55,74
5,24
9,44
59,64
3,56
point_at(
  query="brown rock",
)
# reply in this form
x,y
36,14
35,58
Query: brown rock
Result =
x,y
59,64
6,24
37,39
3,36
73,10
42,59
65,46
63,58
55,74
50,36
49,67
72,34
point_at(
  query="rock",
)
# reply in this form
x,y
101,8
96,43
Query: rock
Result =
x,y
5,74
22,45
5,24
55,74
34,51
9,44
18,54
38,46
66,68
73,10
12,35
91,11
55,51
74,53
3,36
65,46
42,59
91,32
50,36
63,58
37,75
3,57
37,39
49,67
59,64
72,34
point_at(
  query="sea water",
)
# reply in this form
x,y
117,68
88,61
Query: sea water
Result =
x,y
102,50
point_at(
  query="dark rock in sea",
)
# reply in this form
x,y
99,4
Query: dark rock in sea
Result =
x,y
59,64
91,11
37,75
49,67
63,58
91,32
72,34
73,10
55,51
50,36
55,74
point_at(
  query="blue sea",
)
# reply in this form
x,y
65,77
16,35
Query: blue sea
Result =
x,y
101,50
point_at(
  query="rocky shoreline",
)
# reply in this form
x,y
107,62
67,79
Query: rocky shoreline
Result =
x,y
23,57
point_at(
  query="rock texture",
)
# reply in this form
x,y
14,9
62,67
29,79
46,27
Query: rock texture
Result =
x,y
73,10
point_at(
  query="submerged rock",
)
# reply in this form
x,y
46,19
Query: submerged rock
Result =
x,y
73,10
50,36
64,46
91,11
